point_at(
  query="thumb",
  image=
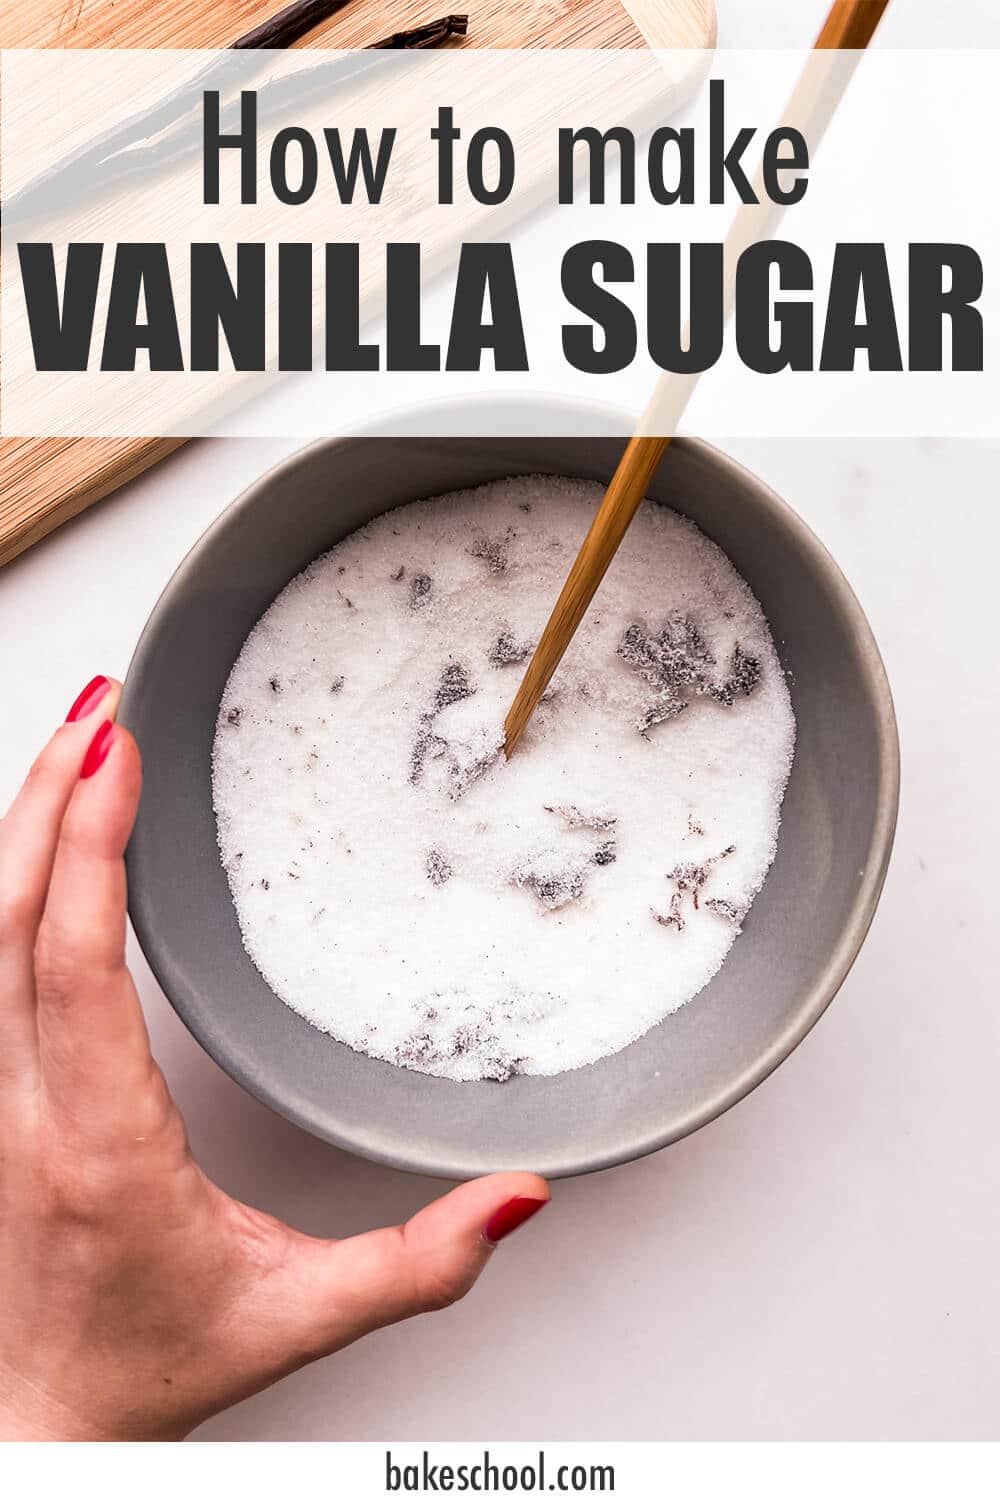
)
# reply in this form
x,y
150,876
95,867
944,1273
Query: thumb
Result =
x,y
354,1286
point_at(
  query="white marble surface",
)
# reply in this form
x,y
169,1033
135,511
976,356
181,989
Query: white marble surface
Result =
x,y
821,1262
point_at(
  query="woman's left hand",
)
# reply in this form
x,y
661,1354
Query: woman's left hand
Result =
x,y
137,1297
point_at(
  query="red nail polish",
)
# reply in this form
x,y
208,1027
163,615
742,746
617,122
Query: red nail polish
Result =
x,y
97,750
511,1216
88,699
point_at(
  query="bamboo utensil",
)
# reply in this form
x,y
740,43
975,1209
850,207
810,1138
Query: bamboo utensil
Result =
x,y
851,24
625,493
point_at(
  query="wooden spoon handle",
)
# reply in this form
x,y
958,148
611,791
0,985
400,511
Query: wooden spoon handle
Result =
x,y
625,493
851,24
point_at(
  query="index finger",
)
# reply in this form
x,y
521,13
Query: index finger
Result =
x,y
29,838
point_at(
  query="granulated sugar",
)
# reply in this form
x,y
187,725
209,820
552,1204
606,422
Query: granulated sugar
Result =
x,y
406,889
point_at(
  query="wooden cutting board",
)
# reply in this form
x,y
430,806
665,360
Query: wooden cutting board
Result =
x,y
46,481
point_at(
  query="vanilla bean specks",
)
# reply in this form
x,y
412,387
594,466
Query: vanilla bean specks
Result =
x,y
410,892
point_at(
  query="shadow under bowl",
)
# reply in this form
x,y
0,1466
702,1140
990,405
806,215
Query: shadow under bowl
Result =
x,y
800,939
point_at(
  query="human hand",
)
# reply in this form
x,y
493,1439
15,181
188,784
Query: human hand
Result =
x,y
137,1297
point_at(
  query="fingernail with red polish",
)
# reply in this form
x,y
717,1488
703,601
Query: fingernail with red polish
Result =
x,y
511,1216
97,750
88,700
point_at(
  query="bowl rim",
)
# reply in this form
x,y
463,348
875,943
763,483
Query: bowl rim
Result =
x,y
814,1000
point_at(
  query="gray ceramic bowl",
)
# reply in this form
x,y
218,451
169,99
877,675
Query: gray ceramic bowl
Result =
x,y
803,933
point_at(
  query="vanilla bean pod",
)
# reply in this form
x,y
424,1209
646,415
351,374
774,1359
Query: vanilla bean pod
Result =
x,y
434,34
288,25
67,180
302,15
283,93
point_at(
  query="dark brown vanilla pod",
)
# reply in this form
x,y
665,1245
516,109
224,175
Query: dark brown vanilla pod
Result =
x,y
433,34
288,25
121,151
